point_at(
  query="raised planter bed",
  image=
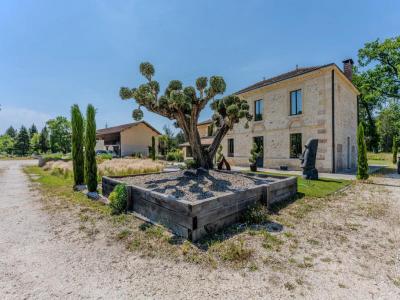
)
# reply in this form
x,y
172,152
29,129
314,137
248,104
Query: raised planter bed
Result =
x,y
194,205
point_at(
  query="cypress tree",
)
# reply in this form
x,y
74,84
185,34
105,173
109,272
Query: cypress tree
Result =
x,y
32,130
77,145
44,140
394,150
362,162
22,142
153,148
11,132
90,154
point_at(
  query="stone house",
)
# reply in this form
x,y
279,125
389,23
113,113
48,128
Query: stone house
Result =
x,y
127,139
206,132
288,109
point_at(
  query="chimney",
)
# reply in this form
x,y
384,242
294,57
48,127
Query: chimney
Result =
x,y
348,68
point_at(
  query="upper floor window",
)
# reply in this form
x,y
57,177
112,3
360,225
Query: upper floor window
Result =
x,y
231,148
295,145
258,110
296,103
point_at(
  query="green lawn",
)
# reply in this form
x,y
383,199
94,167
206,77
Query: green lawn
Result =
x,y
381,158
61,186
317,188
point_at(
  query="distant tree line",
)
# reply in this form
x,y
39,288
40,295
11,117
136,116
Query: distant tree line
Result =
x,y
55,137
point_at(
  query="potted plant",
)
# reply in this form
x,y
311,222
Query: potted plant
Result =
x,y
255,153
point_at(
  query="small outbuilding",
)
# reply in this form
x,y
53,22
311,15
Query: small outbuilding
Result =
x,y
127,139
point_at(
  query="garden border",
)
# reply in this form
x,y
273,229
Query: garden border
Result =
x,y
195,219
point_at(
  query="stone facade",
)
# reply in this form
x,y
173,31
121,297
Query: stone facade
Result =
x,y
315,121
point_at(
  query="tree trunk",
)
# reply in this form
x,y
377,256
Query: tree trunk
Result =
x,y
371,121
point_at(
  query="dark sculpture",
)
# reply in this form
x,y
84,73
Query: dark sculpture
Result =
x,y
308,159
398,165
222,163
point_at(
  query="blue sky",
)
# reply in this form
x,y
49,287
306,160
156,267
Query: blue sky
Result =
x,y
56,53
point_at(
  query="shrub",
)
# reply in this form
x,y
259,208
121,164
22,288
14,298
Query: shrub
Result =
x,y
103,157
176,155
118,199
362,162
394,150
77,145
257,214
191,164
255,153
90,154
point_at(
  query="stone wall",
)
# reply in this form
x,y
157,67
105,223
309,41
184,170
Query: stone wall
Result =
x,y
314,122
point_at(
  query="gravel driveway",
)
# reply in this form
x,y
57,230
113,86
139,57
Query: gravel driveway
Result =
x,y
41,258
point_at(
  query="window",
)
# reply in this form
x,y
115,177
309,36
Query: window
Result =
x,y
295,145
296,104
258,110
231,148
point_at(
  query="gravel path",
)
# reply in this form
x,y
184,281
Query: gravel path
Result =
x,y
193,187
42,257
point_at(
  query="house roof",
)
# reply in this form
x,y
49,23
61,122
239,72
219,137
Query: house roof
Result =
x,y
205,141
281,77
294,73
119,128
205,122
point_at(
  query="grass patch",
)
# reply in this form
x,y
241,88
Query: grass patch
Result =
x,y
316,188
61,187
232,251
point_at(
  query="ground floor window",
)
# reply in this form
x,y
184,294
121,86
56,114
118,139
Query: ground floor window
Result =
x,y
231,147
295,145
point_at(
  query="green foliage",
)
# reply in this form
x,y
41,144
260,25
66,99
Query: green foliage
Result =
x,y
257,214
388,124
118,199
362,161
394,150
184,105
34,143
176,155
378,80
32,130
90,154
11,132
6,144
191,164
219,154
255,153
60,134
44,143
102,157
22,143
153,148
77,145
384,57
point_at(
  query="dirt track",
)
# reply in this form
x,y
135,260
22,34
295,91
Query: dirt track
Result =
x,y
43,258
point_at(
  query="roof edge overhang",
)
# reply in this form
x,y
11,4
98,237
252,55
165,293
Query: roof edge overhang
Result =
x,y
325,67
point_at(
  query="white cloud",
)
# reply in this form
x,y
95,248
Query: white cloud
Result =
x,y
18,116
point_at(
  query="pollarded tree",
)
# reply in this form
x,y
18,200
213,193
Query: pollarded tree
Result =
x,y
184,104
